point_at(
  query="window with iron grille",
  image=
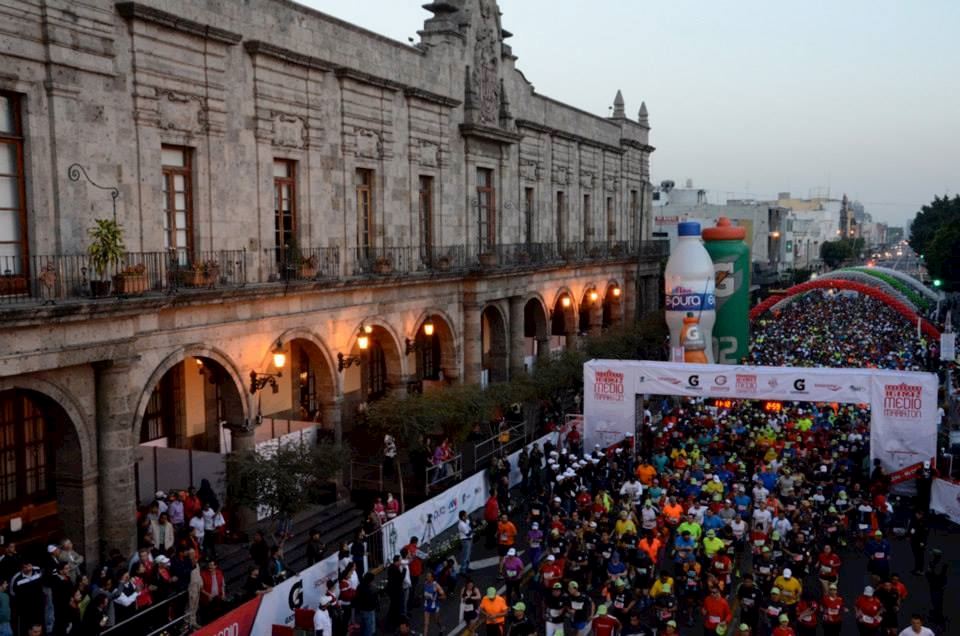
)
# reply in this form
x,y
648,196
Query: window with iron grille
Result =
x,y
13,206
177,202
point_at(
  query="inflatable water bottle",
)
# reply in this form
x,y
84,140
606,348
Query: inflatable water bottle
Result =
x,y
690,295
731,262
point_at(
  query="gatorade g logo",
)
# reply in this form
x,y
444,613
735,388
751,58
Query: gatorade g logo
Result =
x,y
296,595
694,380
800,384
725,283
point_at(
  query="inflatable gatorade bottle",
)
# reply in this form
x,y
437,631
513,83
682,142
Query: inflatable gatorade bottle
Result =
x,y
692,340
731,263
689,280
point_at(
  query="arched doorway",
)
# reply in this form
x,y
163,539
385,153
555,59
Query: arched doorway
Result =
x,y
372,369
190,406
535,334
434,349
563,321
493,335
612,307
589,314
41,473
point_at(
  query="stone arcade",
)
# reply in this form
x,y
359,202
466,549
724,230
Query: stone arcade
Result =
x,y
286,183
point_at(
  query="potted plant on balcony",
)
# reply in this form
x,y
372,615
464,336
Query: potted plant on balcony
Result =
x,y
523,257
488,259
383,265
201,274
105,249
442,264
307,267
131,281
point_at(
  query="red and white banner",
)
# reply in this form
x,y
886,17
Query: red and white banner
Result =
x,y
238,622
945,498
903,404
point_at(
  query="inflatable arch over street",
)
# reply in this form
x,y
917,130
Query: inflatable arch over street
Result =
x,y
903,404
928,328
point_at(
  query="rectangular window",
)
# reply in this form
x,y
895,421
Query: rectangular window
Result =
x,y
634,211
426,218
486,210
364,181
528,205
284,206
177,201
587,219
560,220
13,209
611,220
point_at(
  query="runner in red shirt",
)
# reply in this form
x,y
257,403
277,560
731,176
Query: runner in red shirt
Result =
x,y
604,624
869,611
783,629
808,616
716,612
550,572
828,567
833,610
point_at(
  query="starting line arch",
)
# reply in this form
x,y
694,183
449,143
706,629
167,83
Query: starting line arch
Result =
x,y
903,404
834,283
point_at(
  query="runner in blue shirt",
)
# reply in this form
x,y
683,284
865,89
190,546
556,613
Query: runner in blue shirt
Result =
x,y
433,594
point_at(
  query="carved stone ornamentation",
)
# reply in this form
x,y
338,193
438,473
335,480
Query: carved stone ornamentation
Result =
x,y
288,131
429,154
530,170
586,179
181,112
561,175
611,184
368,144
485,78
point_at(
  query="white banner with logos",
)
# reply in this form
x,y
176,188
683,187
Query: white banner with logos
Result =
x,y
304,590
903,425
444,509
948,346
945,499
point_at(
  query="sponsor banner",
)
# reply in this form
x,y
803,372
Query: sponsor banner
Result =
x,y
906,474
948,346
684,299
301,591
444,509
945,499
238,622
903,403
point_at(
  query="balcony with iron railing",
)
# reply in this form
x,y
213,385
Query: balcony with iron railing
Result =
x,y
59,279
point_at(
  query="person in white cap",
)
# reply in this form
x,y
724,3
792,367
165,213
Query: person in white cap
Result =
x,y
512,573
790,588
322,623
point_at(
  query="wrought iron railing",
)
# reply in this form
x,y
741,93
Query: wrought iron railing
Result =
x,y
302,265
57,278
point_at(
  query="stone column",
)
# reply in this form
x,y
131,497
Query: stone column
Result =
x,y
115,441
330,414
517,340
472,342
543,348
596,317
242,440
572,338
627,303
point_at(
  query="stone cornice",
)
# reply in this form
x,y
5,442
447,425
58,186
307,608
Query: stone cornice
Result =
x,y
258,47
135,10
488,133
637,145
427,96
569,136
367,78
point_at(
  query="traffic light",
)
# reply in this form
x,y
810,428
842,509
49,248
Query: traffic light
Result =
x,y
937,282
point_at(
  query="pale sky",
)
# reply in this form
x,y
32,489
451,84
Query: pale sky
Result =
x,y
751,97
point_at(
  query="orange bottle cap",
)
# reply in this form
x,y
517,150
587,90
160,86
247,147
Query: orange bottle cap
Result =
x,y
724,231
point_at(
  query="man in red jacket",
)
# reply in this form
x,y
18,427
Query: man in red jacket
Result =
x,y
716,612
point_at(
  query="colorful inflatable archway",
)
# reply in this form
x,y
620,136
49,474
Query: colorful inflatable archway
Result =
x,y
820,283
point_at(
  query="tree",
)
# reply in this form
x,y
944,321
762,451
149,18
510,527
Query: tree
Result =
x,y
285,480
931,218
833,253
943,255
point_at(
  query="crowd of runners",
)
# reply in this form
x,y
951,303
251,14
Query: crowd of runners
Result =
x,y
717,521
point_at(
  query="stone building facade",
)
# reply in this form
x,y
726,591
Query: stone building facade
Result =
x,y
390,217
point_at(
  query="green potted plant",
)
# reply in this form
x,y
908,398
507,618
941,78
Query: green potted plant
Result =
x,y
105,249
383,265
201,274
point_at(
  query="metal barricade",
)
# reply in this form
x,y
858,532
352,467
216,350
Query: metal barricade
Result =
x,y
153,619
443,475
505,441
366,476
